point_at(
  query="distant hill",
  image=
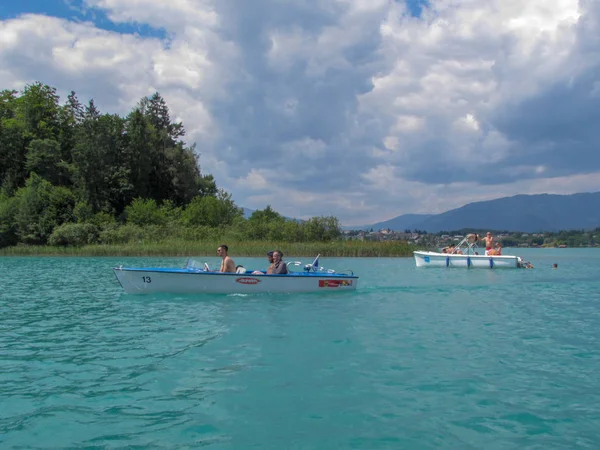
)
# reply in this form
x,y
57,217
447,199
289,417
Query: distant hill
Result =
x,y
527,213
403,222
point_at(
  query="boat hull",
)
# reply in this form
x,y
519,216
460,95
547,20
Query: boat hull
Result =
x,y
194,281
434,259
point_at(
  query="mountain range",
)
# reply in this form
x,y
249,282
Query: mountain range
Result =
x,y
526,213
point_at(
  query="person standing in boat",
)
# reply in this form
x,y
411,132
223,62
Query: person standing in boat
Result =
x,y
279,266
489,242
227,265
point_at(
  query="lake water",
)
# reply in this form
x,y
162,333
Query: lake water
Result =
x,y
414,359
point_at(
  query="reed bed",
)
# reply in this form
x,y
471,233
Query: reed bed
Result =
x,y
208,248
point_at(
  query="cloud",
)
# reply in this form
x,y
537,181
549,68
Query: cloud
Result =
x,y
349,107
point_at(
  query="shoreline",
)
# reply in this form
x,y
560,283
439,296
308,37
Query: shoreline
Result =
x,y
236,249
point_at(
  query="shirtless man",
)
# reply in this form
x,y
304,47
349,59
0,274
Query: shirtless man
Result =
x,y
489,242
227,265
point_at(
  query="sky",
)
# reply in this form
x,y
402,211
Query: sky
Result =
x,y
361,109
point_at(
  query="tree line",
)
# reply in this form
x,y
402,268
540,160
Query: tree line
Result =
x,y
569,238
71,175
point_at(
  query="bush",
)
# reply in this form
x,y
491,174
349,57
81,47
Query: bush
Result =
x,y
144,212
40,208
8,229
82,212
114,234
211,211
103,220
74,234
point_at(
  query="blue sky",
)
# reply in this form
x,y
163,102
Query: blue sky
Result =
x,y
77,11
364,109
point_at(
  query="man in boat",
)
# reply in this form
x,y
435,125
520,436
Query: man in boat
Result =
x,y
279,266
489,242
227,265
270,268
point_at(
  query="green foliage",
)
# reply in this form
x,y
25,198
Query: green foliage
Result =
x,y
12,144
115,234
293,231
144,212
103,220
170,212
44,158
8,228
71,175
38,109
40,208
178,247
211,211
83,212
322,229
265,224
74,234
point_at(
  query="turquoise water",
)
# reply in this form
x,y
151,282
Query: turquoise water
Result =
x,y
415,358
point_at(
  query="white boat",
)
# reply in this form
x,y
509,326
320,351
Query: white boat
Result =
x,y
194,280
437,259
466,255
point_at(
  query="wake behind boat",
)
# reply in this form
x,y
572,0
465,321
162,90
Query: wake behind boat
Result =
x,y
466,255
194,280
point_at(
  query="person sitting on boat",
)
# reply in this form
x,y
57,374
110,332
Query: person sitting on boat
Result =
x,y
472,238
269,269
227,265
489,242
496,251
279,266
454,250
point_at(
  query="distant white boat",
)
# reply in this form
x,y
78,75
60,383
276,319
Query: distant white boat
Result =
x,y
465,255
437,259
193,280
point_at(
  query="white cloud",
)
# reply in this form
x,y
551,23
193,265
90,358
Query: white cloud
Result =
x,y
360,109
256,180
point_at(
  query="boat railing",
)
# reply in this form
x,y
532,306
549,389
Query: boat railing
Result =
x,y
467,245
309,267
197,266
318,269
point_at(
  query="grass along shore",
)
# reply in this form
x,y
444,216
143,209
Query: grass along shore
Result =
x,y
209,248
